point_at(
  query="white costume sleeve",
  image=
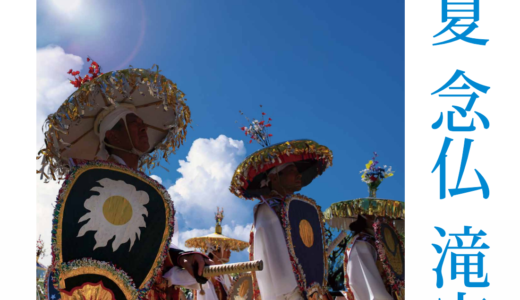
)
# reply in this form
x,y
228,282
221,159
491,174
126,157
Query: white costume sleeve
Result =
x,y
178,276
364,278
209,292
227,281
181,277
276,279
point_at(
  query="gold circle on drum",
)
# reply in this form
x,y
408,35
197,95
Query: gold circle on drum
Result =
x,y
306,233
117,210
244,288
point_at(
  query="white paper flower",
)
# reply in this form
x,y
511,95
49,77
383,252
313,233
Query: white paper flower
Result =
x,y
117,210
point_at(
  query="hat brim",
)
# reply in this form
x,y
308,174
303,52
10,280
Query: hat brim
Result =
x,y
311,159
216,240
83,143
309,169
340,214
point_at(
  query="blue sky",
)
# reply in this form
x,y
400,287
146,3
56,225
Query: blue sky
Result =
x,y
333,72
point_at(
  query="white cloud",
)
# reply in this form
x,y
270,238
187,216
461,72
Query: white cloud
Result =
x,y
238,232
45,199
52,82
156,178
53,87
186,235
204,185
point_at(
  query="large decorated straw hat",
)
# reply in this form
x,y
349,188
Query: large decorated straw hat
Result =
x,y
72,132
216,240
250,177
340,214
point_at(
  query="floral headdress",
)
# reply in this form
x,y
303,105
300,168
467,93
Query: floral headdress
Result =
x,y
219,215
94,70
258,130
373,175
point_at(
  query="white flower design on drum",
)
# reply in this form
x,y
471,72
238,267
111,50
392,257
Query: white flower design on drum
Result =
x,y
117,210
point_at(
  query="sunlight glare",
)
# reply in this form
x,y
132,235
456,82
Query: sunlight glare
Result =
x,y
67,6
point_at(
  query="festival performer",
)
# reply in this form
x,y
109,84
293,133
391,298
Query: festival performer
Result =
x,y
374,256
108,213
287,233
218,247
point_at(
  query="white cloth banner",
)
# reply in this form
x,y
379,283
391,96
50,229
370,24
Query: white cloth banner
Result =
x,y
277,278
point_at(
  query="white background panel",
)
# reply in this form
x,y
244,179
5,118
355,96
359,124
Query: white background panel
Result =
x,y
493,152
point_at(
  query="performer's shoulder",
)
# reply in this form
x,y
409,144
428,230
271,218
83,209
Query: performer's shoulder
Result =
x,y
302,197
365,238
265,212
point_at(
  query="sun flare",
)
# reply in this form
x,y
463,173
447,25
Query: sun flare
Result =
x,y
67,6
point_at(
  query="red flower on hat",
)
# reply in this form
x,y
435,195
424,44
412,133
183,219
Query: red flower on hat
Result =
x,y
257,130
93,69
